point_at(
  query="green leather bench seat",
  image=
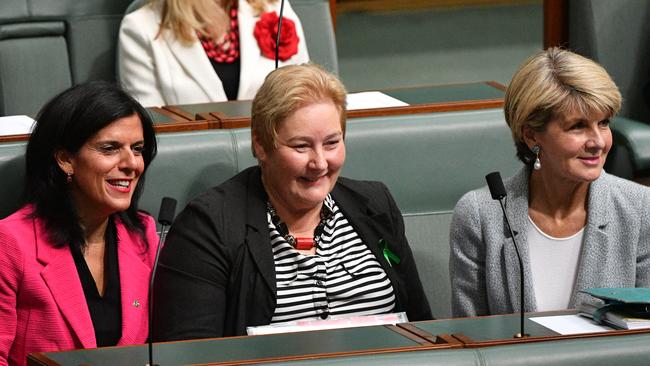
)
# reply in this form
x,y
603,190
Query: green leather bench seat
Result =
x,y
427,160
630,156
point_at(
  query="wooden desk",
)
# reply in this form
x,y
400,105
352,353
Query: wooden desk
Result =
x,y
498,330
422,99
254,349
236,114
427,336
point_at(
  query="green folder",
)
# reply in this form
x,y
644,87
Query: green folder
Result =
x,y
625,295
624,304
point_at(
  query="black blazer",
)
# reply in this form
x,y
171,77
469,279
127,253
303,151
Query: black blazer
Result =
x,y
217,274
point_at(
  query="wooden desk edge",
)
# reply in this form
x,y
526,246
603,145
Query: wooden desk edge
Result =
x,y
435,339
39,359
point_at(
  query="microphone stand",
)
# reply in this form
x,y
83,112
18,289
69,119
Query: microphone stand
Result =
x,y
165,218
277,36
521,334
498,192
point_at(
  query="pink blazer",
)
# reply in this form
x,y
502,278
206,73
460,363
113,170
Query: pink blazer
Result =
x,y
42,303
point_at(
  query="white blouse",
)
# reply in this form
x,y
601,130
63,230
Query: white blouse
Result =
x,y
554,266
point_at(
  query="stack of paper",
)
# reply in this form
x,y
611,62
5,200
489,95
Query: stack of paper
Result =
x,y
16,125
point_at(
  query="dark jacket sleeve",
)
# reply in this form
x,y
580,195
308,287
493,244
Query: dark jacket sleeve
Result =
x,y
190,286
417,306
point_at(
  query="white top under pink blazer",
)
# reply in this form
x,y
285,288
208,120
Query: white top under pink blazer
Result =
x,y
162,70
42,302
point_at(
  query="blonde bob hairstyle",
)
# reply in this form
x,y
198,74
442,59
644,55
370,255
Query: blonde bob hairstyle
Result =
x,y
209,18
287,89
551,84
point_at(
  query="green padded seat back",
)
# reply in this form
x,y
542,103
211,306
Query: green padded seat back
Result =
x,y
428,161
46,46
616,34
92,28
34,65
316,22
187,164
428,237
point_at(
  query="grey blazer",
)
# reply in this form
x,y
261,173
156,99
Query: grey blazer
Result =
x,y
483,263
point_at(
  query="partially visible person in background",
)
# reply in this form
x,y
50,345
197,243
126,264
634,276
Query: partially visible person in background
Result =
x,y
199,51
75,260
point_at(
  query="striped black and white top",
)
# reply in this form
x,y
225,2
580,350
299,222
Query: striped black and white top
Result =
x,y
343,278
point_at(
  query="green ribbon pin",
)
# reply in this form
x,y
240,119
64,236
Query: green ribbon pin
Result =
x,y
390,256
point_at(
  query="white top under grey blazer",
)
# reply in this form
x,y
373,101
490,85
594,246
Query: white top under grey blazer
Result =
x,y
483,263
162,70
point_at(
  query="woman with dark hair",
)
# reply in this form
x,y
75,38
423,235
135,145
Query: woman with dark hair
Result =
x,y
76,258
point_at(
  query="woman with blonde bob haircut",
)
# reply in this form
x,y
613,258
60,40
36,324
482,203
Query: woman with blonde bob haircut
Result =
x,y
279,99
198,51
577,226
288,239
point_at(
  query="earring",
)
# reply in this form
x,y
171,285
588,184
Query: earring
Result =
x,y
68,177
536,149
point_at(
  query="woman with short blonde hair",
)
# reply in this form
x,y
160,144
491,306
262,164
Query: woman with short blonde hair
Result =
x,y
199,51
577,226
277,99
288,239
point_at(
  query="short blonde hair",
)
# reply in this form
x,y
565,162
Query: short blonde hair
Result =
x,y
287,89
209,18
552,83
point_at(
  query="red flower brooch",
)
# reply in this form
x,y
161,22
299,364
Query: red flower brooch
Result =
x,y
266,31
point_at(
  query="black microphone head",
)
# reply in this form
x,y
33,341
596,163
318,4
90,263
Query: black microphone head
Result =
x,y
497,190
167,211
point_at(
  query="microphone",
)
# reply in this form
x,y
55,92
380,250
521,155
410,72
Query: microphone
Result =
x,y
498,192
277,36
165,218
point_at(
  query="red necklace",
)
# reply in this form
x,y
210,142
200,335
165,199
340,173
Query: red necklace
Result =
x,y
226,51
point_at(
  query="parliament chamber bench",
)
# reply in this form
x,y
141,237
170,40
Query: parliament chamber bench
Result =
x,y
474,341
427,160
427,157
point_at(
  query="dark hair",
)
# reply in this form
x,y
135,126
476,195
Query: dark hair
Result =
x,y
65,123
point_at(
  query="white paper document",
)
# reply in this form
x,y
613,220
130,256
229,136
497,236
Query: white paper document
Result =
x,y
372,99
570,324
331,323
15,125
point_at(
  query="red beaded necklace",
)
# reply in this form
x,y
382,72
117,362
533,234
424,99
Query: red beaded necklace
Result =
x,y
226,51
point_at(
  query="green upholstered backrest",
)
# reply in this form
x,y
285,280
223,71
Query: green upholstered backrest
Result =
x,y
630,154
34,65
187,164
46,46
316,22
616,34
427,161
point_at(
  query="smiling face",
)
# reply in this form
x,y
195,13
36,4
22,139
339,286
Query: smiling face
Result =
x,y
105,171
303,168
573,147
